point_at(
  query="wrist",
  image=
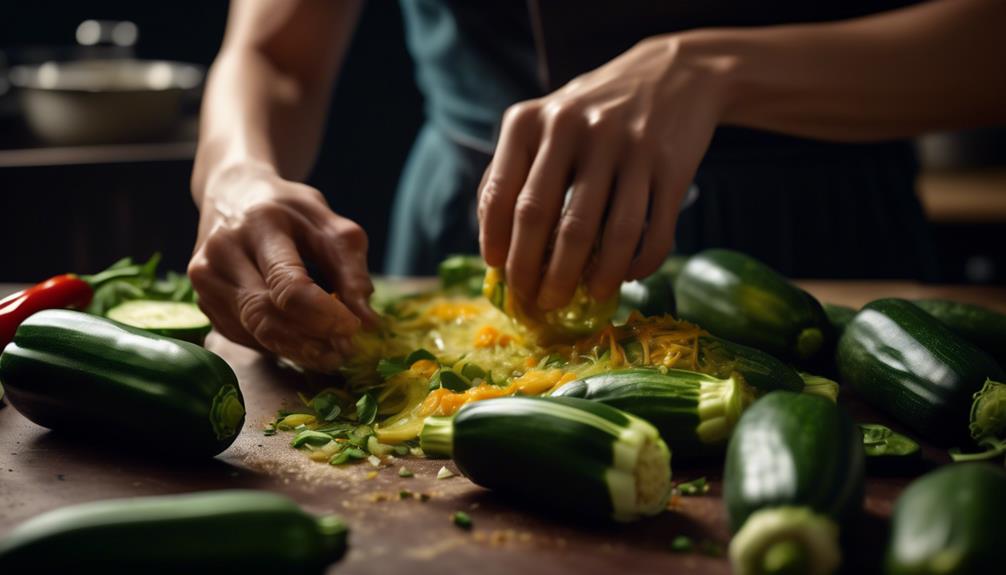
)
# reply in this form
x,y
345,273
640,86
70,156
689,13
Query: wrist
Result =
x,y
724,57
226,181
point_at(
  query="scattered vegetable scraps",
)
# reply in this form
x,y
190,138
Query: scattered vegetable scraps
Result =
x,y
445,473
462,520
694,487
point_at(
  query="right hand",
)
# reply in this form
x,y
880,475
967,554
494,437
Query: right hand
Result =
x,y
249,271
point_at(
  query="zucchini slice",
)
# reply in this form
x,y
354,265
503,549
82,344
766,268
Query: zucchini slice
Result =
x,y
566,453
180,320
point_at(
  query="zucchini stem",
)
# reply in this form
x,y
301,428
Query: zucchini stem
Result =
x,y
437,437
988,411
721,403
808,342
783,540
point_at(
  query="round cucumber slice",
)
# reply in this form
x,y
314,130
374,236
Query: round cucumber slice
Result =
x,y
180,320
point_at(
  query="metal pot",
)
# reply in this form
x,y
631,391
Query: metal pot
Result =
x,y
104,101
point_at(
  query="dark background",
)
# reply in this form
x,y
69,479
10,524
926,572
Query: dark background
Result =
x,y
82,217
64,214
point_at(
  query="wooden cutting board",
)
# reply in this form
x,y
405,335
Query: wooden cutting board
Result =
x,y
393,529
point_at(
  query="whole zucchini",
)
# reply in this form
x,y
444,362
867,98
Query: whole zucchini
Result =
x,y
566,453
652,295
981,326
737,297
793,476
839,316
71,371
765,373
950,521
694,413
904,361
217,531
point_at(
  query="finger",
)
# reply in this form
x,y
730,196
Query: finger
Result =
x,y
663,218
503,180
340,249
622,228
578,227
535,213
294,293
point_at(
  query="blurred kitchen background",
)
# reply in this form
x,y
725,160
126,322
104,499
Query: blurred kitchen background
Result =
x,y
75,197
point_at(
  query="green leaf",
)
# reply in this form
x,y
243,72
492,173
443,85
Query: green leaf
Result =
x,y
348,453
449,379
418,355
310,437
366,409
326,405
388,367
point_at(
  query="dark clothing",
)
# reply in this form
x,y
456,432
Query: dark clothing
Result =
x,y
808,208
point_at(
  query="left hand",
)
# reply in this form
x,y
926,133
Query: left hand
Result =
x,y
626,138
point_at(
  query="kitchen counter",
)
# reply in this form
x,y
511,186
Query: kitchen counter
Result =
x,y
41,470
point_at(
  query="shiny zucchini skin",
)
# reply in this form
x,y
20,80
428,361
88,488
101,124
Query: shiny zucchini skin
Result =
x,y
694,412
739,298
907,363
951,520
652,295
760,370
981,326
80,373
794,450
559,452
216,531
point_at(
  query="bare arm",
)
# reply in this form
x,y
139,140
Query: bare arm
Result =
x,y
262,121
938,65
268,90
630,134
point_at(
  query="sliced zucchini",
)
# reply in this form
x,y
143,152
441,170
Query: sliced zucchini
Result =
x,y
180,320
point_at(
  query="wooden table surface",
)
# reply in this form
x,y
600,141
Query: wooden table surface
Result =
x,y
42,470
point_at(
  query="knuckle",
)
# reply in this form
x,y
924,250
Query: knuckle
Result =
x,y
253,309
623,230
265,212
563,116
529,211
521,114
575,230
283,279
349,236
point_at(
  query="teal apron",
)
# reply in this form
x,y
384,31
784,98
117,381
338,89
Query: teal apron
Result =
x,y
809,208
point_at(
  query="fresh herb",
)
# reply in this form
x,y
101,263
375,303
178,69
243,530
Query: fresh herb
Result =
x,y
445,473
682,544
404,494
127,280
326,404
310,437
360,436
449,379
366,409
418,355
462,520
405,472
347,453
388,367
694,487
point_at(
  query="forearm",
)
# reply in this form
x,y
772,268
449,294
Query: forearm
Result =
x,y
930,67
267,93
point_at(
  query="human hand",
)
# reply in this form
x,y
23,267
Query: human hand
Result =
x,y
625,140
250,275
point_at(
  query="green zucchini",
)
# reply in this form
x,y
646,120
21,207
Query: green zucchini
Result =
x,y
694,412
950,521
79,373
765,373
180,320
981,326
839,316
652,295
793,476
217,531
907,363
566,453
737,297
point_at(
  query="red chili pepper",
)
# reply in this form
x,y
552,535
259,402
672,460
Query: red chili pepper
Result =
x,y
61,291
